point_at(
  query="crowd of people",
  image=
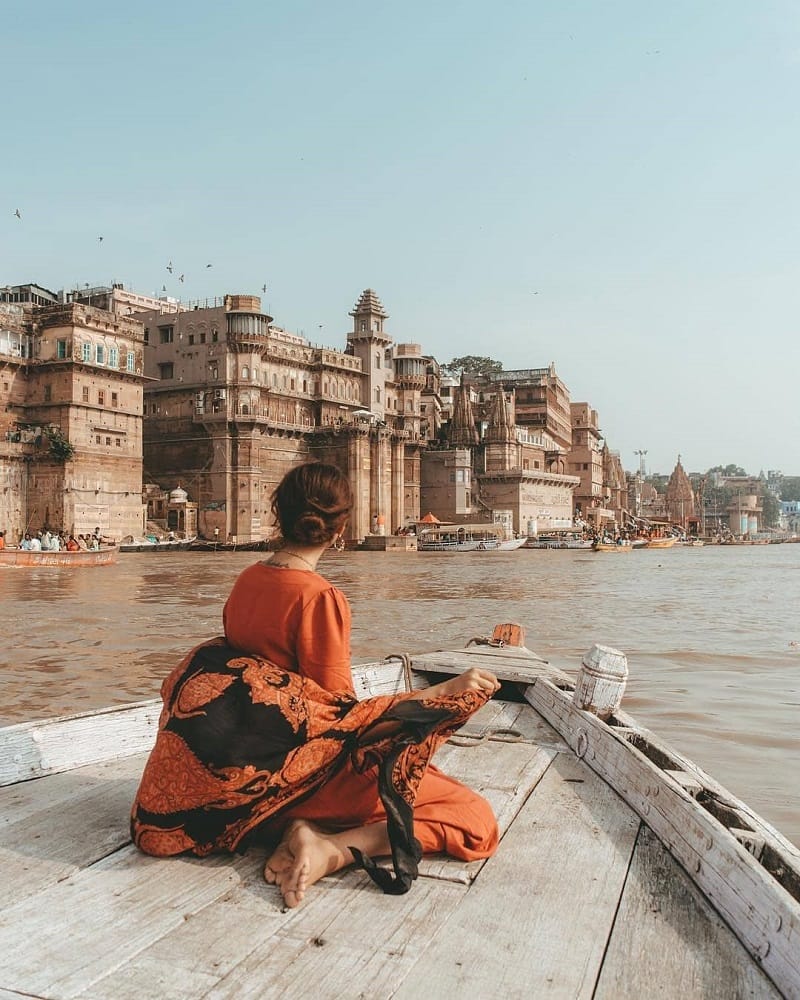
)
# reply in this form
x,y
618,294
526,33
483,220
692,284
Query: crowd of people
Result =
x,y
56,541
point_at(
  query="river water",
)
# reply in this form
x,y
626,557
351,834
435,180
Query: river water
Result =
x,y
712,635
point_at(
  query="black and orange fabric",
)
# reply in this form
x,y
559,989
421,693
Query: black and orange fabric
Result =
x,y
240,740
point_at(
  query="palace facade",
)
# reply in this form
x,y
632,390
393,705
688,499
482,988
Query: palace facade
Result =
x,y
106,390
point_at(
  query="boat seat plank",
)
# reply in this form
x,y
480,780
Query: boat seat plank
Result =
x,y
508,663
91,807
668,942
554,884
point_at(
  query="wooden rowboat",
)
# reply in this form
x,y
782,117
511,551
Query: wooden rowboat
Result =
x,y
624,871
665,542
612,546
84,557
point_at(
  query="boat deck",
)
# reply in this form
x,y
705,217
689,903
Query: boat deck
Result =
x,y
581,899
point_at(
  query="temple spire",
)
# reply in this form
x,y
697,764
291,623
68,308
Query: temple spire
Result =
x,y
462,425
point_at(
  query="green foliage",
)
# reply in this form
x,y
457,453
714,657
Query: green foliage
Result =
x,y
472,364
60,448
729,470
771,509
790,488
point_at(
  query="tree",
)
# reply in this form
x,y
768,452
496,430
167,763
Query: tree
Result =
x,y
790,488
472,364
60,447
728,470
771,510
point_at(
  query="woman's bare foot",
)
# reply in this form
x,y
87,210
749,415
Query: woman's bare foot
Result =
x,y
305,854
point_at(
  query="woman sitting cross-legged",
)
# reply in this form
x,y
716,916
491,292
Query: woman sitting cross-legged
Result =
x,y
262,741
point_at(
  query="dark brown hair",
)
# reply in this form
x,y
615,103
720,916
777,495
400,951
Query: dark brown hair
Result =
x,y
311,503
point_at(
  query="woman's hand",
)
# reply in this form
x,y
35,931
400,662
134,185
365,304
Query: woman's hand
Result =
x,y
473,679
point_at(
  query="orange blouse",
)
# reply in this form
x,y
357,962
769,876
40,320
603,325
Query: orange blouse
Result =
x,y
294,618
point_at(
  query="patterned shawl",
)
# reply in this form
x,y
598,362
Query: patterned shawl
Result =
x,y
239,739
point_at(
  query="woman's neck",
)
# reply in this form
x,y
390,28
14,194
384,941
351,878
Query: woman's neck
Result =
x,y
296,556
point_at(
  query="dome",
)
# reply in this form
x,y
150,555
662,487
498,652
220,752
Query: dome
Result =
x,y
178,495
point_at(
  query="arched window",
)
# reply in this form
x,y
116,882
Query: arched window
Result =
x,y
245,372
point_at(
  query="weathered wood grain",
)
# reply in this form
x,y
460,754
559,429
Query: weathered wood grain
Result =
x,y
508,663
536,920
64,822
347,940
668,942
58,941
31,749
764,916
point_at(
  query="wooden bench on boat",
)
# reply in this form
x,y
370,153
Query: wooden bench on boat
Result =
x,y
623,871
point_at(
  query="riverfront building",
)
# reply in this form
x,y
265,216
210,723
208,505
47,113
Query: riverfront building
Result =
x,y
106,389
233,401
70,416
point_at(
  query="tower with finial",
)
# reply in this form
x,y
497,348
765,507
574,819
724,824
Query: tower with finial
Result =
x,y
369,342
501,434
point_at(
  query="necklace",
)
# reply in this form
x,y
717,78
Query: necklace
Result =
x,y
297,555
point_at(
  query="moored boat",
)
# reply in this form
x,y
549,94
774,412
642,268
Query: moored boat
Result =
x,y
159,545
638,868
83,557
466,538
621,546
661,542
559,540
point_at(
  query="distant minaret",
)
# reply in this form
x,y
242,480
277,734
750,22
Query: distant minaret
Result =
x,y
462,424
368,341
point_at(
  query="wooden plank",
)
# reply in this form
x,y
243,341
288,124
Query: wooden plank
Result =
x,y
61,940
660,911
347,939
762,913
508,663
90,807
498,717
537,919
31,749
505,774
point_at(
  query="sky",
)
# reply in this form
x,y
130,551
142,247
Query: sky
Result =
x,y
611,187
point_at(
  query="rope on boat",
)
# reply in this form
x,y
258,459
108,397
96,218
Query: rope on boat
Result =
x,y
488,736
406,661
486,640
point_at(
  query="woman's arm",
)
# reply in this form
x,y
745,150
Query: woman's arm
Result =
x,y
474,679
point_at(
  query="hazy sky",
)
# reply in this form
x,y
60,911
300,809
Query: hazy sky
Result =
x,y
613,187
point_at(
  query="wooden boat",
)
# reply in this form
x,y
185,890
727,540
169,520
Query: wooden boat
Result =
x,y
83,557
661,542
466,538
612,546
622,865
205,545
559,540
162,545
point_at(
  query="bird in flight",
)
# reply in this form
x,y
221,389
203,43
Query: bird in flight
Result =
x,y
18,214
99,239
264,289
181,278
163,288
209,265
169,267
